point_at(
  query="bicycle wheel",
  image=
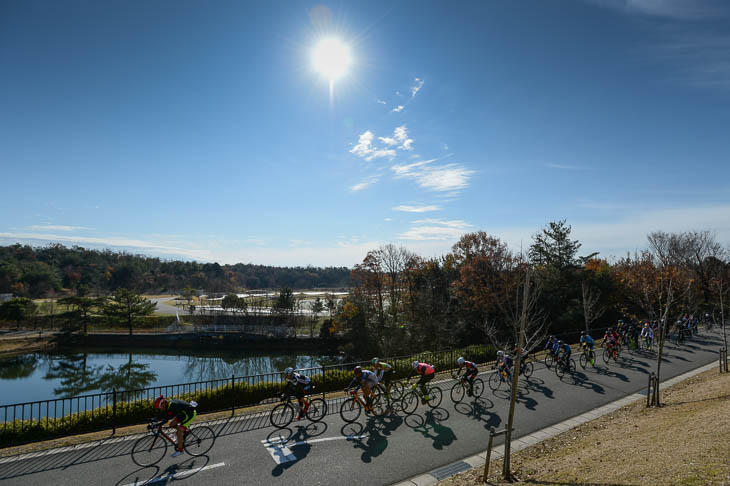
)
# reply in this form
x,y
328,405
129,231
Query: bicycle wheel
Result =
x,y
435,395
149,450
317,409
478,388
409,402
396,390
583,360
282,415
379,404
548,360
350,410
458,391
494,381
572,365
199,440
606,356
527,369
559,370
592,357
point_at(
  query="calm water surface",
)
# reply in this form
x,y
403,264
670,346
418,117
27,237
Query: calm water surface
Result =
x,y
41,376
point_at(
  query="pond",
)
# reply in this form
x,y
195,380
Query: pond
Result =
x,y
42,376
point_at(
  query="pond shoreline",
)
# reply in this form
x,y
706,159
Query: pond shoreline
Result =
x,y
15,344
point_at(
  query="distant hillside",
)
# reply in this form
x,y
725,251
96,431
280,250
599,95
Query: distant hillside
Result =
x,y
45,271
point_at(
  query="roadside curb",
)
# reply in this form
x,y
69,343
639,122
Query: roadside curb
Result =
x,y
477,461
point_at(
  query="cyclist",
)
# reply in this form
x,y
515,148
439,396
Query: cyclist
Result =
x,y
648,334
427,373
470,372
586,342
367,380
566,352
609,340
551,343
301,385
385,373
504,363
182,414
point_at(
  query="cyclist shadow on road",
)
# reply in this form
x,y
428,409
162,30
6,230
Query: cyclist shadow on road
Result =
x,y
538,385
580,379
152,474
478,410
372,438
295,441
431,427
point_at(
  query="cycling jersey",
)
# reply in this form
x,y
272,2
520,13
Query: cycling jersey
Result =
x,y
299,379
470,368
425,369
383,368
367,377
566,350
179,409
587,340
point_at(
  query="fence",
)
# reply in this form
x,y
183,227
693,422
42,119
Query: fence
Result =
x,y
40,420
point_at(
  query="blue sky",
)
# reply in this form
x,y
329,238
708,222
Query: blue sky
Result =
x,y
200,130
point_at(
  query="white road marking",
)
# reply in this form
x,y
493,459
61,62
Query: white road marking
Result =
x,y
280,452
180,475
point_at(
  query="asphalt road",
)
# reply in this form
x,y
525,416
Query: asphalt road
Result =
x,y
373,451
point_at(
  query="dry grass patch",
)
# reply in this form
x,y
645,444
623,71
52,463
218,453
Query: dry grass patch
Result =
x,y
686,442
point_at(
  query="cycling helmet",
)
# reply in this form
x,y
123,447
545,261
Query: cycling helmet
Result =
x,y
500,353
357,370
160,402
560,342
460,361
375,361
288,371
582,333
415,364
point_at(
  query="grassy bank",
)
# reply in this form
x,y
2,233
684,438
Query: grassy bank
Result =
x,y
685,443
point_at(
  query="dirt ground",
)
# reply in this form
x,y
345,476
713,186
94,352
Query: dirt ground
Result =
x,y
686,442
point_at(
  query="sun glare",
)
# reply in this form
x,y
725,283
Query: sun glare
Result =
x,y
331,58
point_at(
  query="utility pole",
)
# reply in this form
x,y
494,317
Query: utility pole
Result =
x,y
515,380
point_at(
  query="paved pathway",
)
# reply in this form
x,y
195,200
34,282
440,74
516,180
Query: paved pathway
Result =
x,y
373,451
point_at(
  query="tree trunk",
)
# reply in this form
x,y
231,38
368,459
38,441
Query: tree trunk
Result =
x,y
506,473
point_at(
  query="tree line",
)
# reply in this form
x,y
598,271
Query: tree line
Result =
x,y
402,302
48,271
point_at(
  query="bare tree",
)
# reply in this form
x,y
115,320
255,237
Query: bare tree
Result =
x,y
591,310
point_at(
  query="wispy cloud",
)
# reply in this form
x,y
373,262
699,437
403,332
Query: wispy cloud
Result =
x,y
435,229
364,184
397,109
676,9
110,241
566,167
440,178
409,170
54,227
417,85
381,102
417,209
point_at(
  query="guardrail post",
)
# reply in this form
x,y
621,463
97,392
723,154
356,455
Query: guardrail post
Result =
x,y
723,360
233,394
114,411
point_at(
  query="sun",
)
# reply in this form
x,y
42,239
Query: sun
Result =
x,y
331,58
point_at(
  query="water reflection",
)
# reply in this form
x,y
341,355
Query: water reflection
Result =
x,y
42,376
75,376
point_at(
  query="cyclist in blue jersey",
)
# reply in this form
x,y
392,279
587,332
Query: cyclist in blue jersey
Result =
x,y
586,341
